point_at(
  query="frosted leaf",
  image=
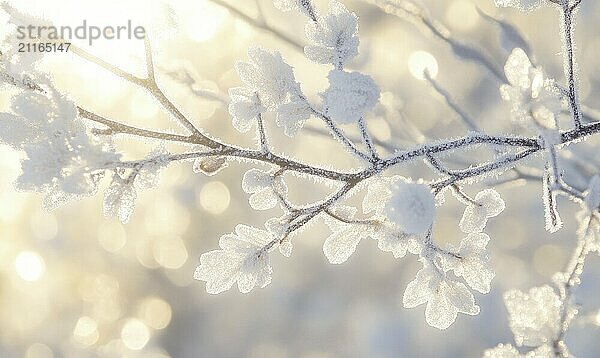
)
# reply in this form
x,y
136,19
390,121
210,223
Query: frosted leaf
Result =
x,y
286,247
119,199
244,108
292,116
445,298
345,236
268,75
340,245
290,5
210,165
334,37
551,215
411,207
15,130
377,196
502,351
148,176
533,97
264,189
349,96
592,194
242,258
534,317
278,227
473,263
391,239
488,204
523,5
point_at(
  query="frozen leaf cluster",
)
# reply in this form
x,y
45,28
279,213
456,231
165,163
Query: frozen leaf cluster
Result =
x,y
444,297
533,97
61,159
349,96
534,317
242,258
269,85
333,38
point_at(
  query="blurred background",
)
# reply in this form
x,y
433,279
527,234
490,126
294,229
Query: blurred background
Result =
x,y
74,284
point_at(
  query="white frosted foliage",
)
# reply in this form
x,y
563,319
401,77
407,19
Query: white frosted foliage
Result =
x,y
534,317
445,298
524,5
532,95
268,75
242,258
391,239
292,115
349,96
508,351
473,262
411,207
487,204
592,194
263,188
244,108
119,199
334,37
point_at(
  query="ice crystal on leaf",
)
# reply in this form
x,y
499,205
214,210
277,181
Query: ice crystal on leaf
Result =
x,y
334,37
472,262
523,5
488,204
349,96
534,317
243,258
411,206
264,188
508,351
244,108
445,298
533,97
119,199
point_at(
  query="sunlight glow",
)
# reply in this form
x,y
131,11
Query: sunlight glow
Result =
x,y
29,265
214,197
421,61
135,334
